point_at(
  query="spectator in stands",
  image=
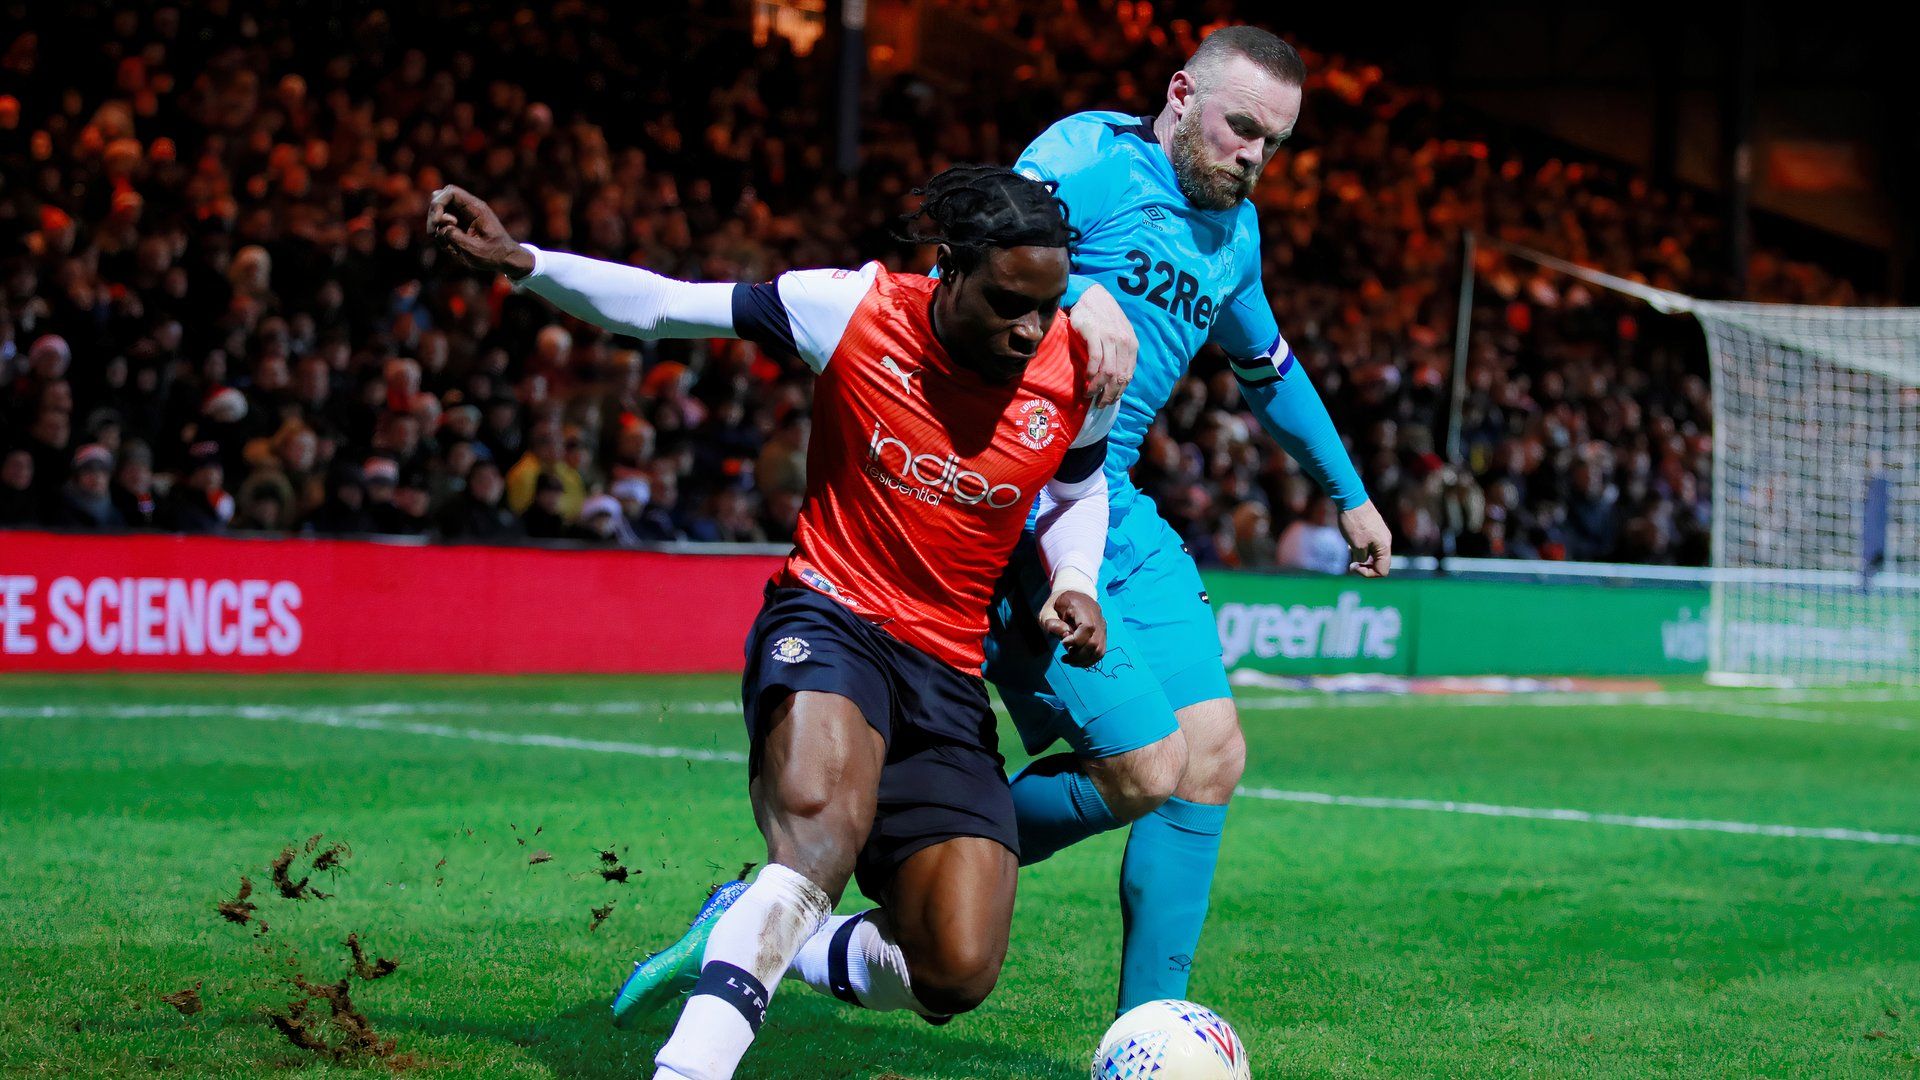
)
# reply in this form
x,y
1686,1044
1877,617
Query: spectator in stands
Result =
x,y
263,509
579,472
632,493
543,520
546,455
479,513
781,517
344,510
599,522
381,477
659,523
782,464
447,475
1313,541
47,442
133,486
19,501
198,502
1592,515
1251,547
500,429
85,502
408,512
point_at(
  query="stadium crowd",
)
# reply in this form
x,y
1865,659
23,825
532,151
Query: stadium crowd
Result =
x,y
219,311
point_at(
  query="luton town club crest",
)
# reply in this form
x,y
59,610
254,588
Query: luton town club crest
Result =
x,y
791,650
1036,424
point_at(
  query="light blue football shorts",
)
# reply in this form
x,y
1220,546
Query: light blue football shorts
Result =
x,y
1163,647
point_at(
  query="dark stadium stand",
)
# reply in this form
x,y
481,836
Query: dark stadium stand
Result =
x,y
218,311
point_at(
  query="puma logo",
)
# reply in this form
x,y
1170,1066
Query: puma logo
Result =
x,y
894,369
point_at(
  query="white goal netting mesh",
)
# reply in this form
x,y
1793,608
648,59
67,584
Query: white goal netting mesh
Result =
x,y
1816,500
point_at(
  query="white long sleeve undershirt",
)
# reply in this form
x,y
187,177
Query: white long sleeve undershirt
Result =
x,y
1072,532
629,299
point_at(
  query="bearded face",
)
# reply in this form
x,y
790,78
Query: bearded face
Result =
x,y
1208,182
1232,116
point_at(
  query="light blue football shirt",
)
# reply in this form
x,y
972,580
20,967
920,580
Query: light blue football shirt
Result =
x,y
1184,276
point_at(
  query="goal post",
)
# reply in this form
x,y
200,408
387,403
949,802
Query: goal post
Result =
x,y
1816,485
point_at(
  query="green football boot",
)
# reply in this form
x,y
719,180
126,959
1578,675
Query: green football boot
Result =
x,y
670,973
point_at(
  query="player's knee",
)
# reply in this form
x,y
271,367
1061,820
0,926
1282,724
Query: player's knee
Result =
x,y
1217,752
1229,754
956,976
814,831
1135,783
808,798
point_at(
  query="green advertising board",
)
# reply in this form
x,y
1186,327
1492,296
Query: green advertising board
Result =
x,y
1285,624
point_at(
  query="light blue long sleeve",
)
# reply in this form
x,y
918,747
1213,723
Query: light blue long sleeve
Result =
x,y
1290,409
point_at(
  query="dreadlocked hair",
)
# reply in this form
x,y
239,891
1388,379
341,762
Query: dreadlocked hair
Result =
x,y
971,208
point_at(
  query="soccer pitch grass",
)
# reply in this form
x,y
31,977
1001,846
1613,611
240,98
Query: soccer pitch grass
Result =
x,y
1405,937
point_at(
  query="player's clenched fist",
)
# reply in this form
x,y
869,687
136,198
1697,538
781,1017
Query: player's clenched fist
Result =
x,y
1074,618
467,228
1369,543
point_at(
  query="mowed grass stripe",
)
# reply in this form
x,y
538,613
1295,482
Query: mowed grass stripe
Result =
x,y
353,719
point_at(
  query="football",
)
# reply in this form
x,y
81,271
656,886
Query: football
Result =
x,y
1171,1040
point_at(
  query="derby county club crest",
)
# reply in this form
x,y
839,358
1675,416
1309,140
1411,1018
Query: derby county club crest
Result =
x,y
1036,424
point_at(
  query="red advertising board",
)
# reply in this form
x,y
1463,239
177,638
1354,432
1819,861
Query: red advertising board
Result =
x,y
171,603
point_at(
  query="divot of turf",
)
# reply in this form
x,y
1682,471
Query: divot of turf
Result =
x,y
326,861
345,1034
239,909
379,968
186,1000
600,915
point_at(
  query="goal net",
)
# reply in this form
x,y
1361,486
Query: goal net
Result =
x,y
1816,486
1816,493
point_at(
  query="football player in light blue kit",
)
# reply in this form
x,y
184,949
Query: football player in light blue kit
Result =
x,y
1153,738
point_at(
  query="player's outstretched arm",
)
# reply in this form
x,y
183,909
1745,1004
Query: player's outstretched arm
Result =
x,y
625,299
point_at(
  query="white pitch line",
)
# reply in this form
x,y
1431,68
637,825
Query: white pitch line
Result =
x,y
1570,698
1588,817
1635,821
514,738
367,720
1804,716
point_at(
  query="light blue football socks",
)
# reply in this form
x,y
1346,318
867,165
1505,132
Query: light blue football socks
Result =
x,y
1164,882
1057,809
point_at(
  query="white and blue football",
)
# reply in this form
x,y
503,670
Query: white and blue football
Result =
x,y
1171,1040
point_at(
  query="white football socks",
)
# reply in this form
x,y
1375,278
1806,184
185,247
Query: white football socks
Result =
x,y
752,944
855,958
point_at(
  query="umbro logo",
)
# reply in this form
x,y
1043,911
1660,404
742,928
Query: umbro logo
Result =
x,y
1155,214
903,374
